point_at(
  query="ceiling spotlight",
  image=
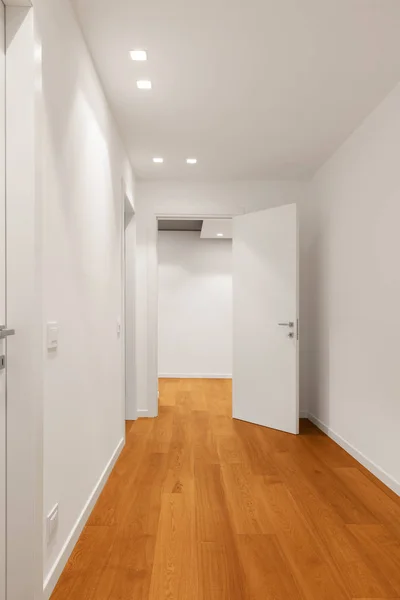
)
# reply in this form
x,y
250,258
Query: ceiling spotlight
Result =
x,y
158,160
191,161
220,235
140,55
144,84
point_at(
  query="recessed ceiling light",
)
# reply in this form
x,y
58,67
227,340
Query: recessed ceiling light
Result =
x,y
220,235
138,55
144,84
158,160
191,161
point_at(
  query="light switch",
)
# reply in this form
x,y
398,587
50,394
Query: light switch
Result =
x,y
52,336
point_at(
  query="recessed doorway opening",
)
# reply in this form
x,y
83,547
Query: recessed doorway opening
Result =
x,y
263,311
195,311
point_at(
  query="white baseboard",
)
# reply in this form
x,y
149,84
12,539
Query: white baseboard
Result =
x,y
142,412
359,456
131,415
61,561
195,376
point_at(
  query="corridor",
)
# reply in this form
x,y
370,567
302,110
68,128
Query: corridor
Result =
x,y
201,507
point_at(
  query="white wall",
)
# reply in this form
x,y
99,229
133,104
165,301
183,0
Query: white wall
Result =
x,y
195,305
83,166
354,293
130,303
24,310
189,199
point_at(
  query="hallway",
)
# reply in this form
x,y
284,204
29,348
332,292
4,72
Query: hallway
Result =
x,y
201,507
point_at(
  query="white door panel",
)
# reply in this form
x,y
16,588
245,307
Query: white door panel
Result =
x,y
265,293
3,319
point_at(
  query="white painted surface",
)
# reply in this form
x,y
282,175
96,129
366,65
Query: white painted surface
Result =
x,y
195,305
194,375
84,165
129,311
354,290
264,89
216,228
355,453
24,306
196,199
3,401
265,274
18,3
65,552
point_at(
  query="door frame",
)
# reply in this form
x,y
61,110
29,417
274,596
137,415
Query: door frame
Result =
x,y
128,305
152,300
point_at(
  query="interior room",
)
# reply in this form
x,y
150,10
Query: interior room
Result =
x,y
195,312
199,300
195,303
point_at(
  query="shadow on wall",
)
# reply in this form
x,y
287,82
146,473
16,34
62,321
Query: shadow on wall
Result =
x,y
75,94
316,371
83,165
194,258
15,18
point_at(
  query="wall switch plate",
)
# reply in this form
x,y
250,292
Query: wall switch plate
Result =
x,y
52,524
52,336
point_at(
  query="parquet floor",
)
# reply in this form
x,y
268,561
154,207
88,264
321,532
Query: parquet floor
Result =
x,y
201,507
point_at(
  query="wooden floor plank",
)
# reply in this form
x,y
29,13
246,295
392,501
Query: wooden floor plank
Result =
x,y
382,551
268,574
129,567
86,565
216,579
385,508
337,544
316,577
203,507
241,491
175,568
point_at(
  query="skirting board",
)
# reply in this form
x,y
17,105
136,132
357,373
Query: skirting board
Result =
x,y
54,575
142,412
361,458
194,376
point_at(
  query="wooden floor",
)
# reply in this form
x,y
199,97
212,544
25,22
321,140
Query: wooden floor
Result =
x,y
201,507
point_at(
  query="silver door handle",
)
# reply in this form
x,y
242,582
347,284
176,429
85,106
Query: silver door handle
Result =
x,y
290,324
5,332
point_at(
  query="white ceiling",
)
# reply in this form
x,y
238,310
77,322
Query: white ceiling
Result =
x,y
212,227
256,89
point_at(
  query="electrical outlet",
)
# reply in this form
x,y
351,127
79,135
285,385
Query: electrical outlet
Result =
x,y
52,524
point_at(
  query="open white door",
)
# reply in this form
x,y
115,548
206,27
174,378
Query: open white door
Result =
x,y
265,308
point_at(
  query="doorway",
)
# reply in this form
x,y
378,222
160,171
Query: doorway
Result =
x,y
265,332
195,308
